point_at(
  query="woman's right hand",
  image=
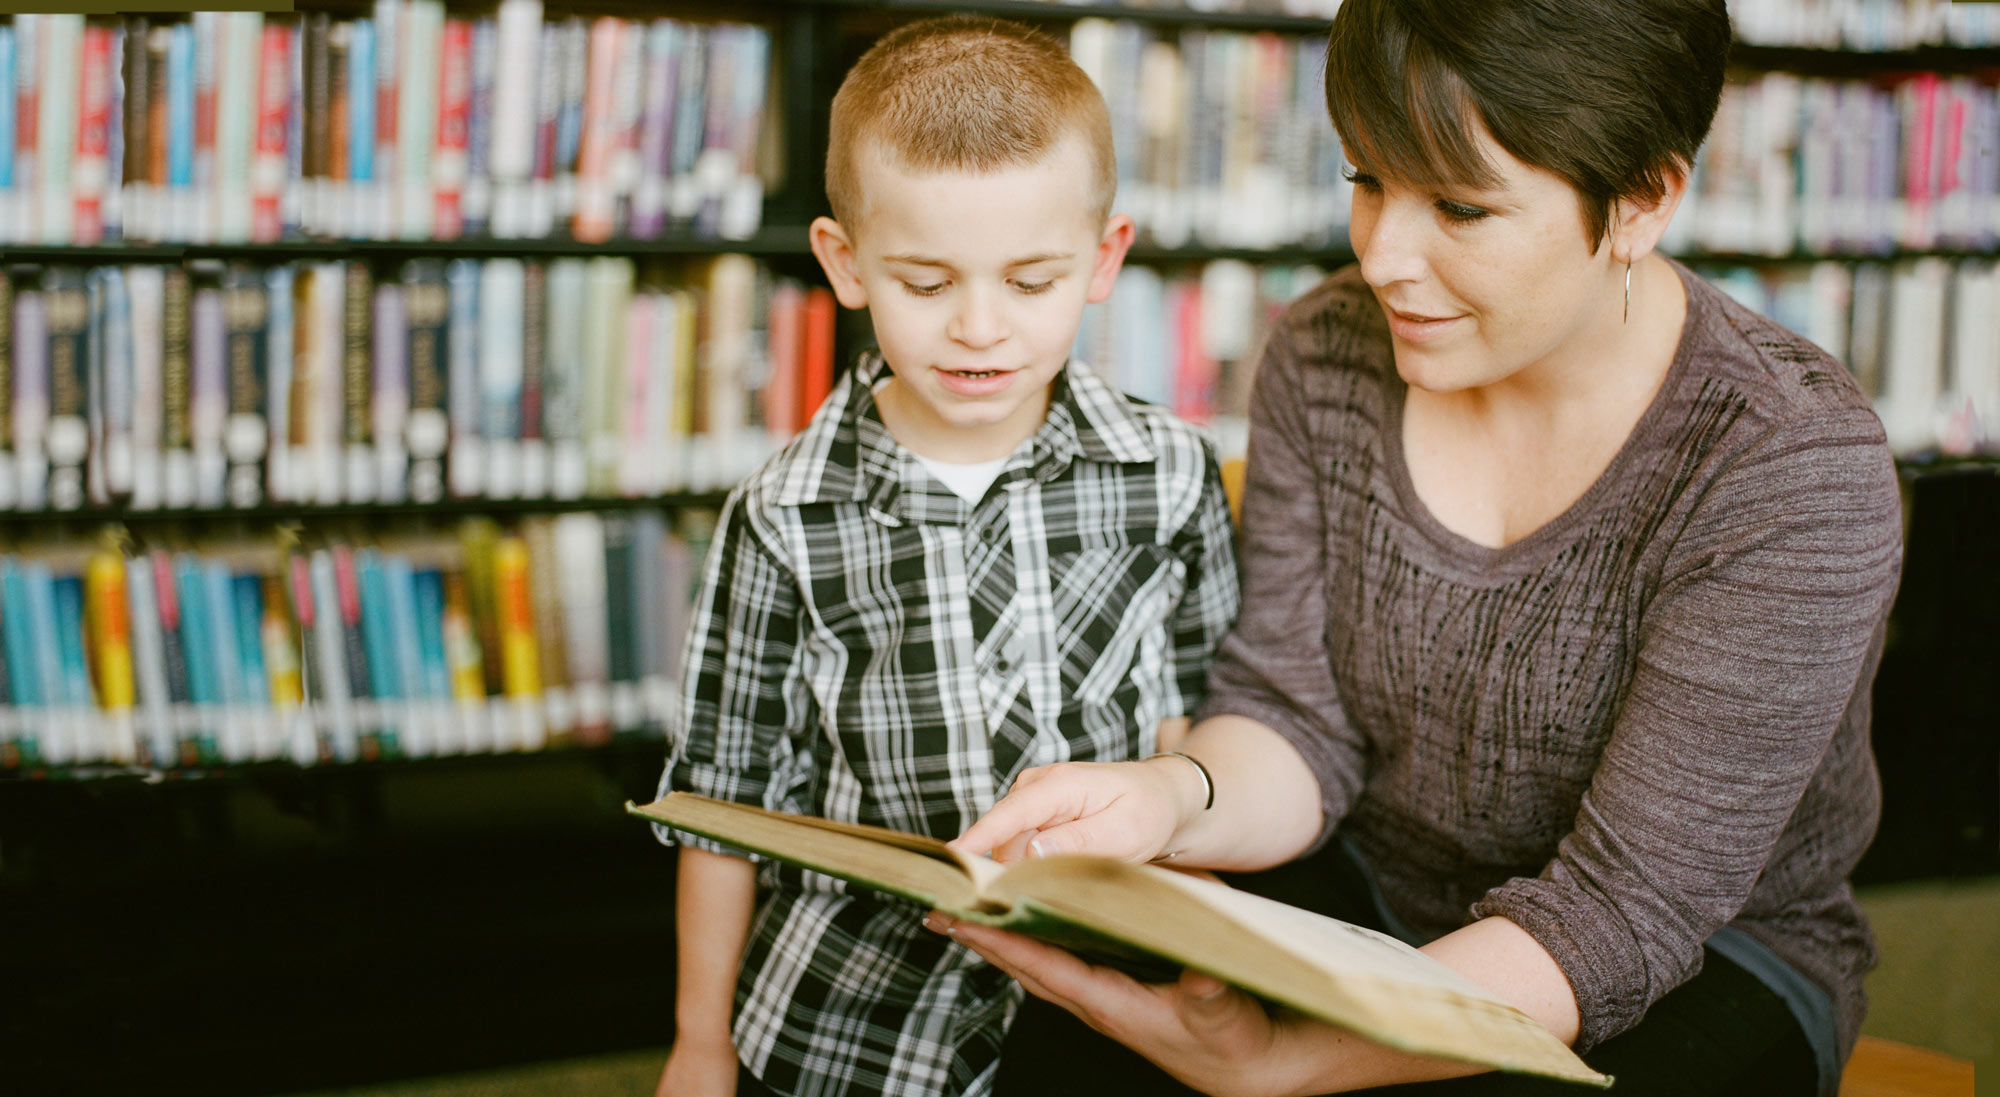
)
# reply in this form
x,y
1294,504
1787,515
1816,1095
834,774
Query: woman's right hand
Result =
x,y
1129,811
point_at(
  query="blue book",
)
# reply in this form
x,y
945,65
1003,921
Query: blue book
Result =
x,y
380,645
78,743
180,131
247,589
221,606
463,465
40,590
24,682
361,104
427,589
198,652
6,110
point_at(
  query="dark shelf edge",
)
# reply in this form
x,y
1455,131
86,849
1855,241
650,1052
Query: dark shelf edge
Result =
x,y
1167,16
1817,61
785,240
105,774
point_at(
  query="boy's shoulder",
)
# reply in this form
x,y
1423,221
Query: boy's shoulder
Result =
x,y
1123,428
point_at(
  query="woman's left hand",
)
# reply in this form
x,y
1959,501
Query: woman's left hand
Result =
x,y
1202,1031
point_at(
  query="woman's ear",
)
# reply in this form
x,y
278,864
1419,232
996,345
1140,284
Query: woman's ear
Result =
x,y
835,251
1637,225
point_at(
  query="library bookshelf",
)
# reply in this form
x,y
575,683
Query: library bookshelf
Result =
x,y
507,344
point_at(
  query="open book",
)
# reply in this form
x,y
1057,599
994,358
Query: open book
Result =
x,y
1343,974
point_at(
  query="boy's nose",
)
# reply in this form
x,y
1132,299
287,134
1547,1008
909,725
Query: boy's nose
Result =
x,y
978,322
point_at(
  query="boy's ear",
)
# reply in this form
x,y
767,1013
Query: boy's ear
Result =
x,y
1636,227
835,252
1111,249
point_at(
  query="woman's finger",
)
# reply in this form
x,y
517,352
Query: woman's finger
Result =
x,y
1022,811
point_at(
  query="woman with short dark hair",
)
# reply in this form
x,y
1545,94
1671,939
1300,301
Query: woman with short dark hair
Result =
x,y
1565,582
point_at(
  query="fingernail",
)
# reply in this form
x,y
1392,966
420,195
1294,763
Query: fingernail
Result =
x,y
1035,847
937,923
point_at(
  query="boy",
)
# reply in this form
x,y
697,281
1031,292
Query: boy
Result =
x,y
976,558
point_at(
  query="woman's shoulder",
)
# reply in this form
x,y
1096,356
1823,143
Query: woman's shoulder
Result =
x,y
1780,378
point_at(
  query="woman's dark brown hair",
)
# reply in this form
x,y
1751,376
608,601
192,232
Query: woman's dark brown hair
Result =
x,y
1607,94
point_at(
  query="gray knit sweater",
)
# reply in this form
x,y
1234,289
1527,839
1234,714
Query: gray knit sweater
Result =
x,y
1647,719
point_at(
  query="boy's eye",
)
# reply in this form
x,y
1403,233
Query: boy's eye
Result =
x,y
1459,212
928,290
1032,288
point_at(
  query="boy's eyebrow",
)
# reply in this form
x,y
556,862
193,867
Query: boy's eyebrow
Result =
x,y
915,259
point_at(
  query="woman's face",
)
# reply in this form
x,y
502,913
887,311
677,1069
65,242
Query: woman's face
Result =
x,y
1483,285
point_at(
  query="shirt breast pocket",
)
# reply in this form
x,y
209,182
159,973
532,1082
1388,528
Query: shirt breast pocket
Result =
x,y
1109,603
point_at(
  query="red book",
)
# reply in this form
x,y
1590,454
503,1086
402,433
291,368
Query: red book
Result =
x,y
595,209
268,163
448,165
786,340
91,171
816,353
1194,371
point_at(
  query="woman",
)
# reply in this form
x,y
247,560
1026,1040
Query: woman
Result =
x,y
1565,581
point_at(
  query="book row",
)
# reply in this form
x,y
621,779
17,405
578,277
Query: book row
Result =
x,y
1847,167
554,631
217,385
1922,337
404,123
1221,136
1868,25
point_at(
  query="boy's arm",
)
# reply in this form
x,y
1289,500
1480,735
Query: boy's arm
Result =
x,y
715,896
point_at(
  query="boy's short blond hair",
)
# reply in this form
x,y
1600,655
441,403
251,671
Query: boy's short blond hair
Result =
x,y
964,93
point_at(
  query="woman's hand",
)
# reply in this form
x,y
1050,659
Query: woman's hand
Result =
x,y
1203,1032
1124,810
698,1069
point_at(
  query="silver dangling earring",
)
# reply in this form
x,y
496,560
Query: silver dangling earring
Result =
x,y
1628,293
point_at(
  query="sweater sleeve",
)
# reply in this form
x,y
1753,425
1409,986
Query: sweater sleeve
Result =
x,y
1274,666
1749,654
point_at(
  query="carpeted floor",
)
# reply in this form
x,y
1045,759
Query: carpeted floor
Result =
x,y
1936,988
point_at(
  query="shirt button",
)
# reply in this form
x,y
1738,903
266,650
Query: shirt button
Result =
x,y
1003,664
990,534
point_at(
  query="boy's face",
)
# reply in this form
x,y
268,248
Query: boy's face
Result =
x,y
976,283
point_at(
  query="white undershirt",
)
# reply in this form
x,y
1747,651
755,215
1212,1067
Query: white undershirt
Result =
x,y
968,482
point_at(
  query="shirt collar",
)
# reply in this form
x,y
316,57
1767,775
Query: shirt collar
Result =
x,y
850,456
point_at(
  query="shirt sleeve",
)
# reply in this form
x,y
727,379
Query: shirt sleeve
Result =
x,y
1206,547
738,730
1274,666
1749,656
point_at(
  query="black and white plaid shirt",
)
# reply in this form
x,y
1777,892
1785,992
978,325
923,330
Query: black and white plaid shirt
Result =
x,y
869,647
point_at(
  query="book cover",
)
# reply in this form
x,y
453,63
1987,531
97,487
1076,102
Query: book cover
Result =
x,y
1355,978
390,412
246,313
66,307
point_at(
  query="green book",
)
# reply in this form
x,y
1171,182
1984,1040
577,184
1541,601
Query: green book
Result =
x,y
1344,974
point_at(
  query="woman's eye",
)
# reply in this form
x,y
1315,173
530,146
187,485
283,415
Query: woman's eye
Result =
x,y
930,290
1459,212
1362,179
1032,288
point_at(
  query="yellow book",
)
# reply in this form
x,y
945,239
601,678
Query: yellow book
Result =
x,y
520,662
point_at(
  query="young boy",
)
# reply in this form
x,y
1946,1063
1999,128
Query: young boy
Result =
x,y
975,559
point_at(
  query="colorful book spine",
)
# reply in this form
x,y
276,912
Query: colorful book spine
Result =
x,y
338,187
268,165
418,717
234,739
26,122
649,197
246,434
574,39
434,670
358,216
454,109
74,734
151,214
534,313
290,733
520,665
538,207
386,220
67,306
563,378
477,199
181,114
30,665
380,656
92,168
185,721
418,100
375,739
316,116
176,390
207,70
8,196
427,312
580,547
198,651
312,734
622,590
357,383
470,726
113,394
264,731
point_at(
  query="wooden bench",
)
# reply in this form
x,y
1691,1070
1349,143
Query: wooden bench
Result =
x,y
1885,1068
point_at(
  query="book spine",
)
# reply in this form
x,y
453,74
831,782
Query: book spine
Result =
x,y
7,108
538,207
501,294
26,122
477,198
742,203
521,672
467,463
608,296
418,103
114,348
263,734
686,404
279,364
454,106
515,114
208,392
287,733
176,388
67,443
8,481
315,88
552,646
649,198
30,399
391,410
336,698
207,69
56,129
534,449
93,135
562,378
388,117
627,112
652,618
238,96
246,434
156,742
379,651
638,433
417,720
198,654
357,219
357,386
267,168
24,679
594,202
622,641
178,218
575,42
463,662
312,734
74,736
146,216
427,312
690,114
234,737
580,556
337,189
